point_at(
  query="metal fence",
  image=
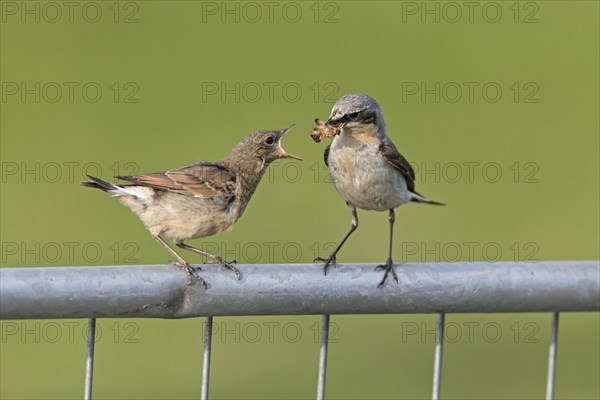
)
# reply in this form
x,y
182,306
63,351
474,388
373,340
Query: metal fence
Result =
x,y
161,291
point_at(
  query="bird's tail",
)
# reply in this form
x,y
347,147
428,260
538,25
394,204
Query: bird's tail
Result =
x,y
98,183
416,197
111,188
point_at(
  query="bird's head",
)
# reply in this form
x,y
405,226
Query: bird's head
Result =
x,y
264,145
357,112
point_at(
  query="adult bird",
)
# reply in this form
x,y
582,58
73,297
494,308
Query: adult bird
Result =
x,y
366,168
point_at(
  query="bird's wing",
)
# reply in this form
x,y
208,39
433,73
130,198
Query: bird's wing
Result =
x,y
197,180
326,154
393,156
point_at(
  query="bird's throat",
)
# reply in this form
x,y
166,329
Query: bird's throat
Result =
x,y
359,135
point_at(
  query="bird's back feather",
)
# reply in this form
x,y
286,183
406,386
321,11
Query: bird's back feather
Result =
x,y
197,180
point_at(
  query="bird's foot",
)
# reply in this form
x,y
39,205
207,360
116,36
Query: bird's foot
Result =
x,y
388,267
228,265
191,272
329,261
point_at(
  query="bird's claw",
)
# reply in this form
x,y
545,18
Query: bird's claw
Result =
x,y
388,267
191,273
228,265
331,260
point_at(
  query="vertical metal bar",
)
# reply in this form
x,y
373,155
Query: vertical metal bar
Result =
x,y
89,360
206,357
552,357
437,362
323,357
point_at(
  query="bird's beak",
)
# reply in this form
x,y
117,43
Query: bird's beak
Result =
x,y
288,155
283,153
335,122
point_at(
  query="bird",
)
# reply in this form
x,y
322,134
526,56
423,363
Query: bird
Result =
x,y
201,199
366,168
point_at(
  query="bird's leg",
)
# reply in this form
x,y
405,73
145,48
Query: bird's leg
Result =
x,y
332,257
216,259
389,264
181,262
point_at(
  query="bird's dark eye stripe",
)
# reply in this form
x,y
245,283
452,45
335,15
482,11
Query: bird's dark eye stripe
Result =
x,y
367,118
360,116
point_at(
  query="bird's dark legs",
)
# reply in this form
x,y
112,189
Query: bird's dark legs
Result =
x,y
332,258
389,264
216,259
181,262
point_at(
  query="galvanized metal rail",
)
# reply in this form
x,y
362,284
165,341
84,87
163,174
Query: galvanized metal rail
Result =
x,y
159,291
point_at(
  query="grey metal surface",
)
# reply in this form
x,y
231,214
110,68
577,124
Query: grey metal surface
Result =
x,y
437,361
208,328
161,291
89,359
323,358
551,378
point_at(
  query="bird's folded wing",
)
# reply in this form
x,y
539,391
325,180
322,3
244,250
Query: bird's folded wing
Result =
x,y
198,180
389,151
326,154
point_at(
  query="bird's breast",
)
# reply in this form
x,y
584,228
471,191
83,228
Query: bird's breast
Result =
x,y
363,177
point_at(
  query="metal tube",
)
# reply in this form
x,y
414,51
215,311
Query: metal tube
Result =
x,y
89,359
323,357
162,291
206,357
552,357
437,362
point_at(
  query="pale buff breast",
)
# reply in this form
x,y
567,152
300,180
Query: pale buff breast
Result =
x,y
362,176
180,217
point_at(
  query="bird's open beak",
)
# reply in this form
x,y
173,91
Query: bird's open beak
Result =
x,y
285,154
288,155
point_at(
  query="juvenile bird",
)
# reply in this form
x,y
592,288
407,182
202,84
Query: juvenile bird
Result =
x,y
366,168
202,199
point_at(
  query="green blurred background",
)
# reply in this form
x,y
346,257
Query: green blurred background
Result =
x,y
167,72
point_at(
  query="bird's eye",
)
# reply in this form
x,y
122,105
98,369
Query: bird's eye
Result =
x,y
270,140
353,116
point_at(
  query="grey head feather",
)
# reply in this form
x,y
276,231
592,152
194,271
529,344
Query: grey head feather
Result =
x,y
351,104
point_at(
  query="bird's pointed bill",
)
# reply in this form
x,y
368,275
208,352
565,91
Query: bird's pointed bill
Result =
x,y
285,154
335,123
